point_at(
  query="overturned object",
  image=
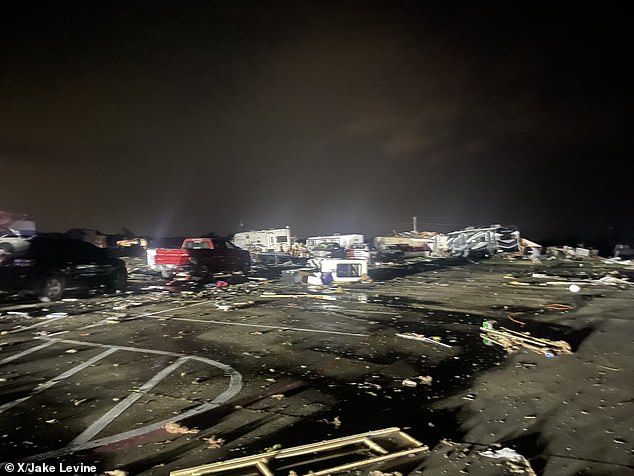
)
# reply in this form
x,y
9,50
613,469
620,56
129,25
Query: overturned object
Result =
x,y
511,341
338,456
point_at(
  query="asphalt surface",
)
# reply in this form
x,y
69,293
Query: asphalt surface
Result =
x,y
168,377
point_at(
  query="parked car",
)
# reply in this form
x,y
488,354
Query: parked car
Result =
x,y
328,250
48,267
200,257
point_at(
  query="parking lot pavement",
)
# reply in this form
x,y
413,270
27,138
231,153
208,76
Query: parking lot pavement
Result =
x,y
97,380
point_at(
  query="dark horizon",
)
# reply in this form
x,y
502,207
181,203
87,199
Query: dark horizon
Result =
x,y
325,116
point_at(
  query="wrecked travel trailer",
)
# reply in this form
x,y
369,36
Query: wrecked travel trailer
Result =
x,y
482,242
413,243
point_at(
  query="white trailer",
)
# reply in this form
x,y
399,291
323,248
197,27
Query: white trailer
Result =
x,y
272,240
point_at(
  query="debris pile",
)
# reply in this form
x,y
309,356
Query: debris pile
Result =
x,y
512,341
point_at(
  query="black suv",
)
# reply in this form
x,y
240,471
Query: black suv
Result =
x,y
50,266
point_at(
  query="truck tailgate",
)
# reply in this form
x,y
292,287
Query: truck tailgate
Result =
x,y
165,256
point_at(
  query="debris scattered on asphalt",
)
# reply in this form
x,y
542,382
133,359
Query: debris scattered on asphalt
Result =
x,y
336,422
278,396
116,472
504,453
408,383
420,337
57,314
273,448
361,451
173,427
511,341
214,442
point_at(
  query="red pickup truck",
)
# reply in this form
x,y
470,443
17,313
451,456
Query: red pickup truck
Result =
x,y
200,257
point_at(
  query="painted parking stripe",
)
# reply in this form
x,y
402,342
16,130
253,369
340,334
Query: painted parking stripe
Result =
x,y
123,405
284,328
46,385
26,352
145,314
83,441
47,321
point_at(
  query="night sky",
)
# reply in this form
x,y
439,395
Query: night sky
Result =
x,y
183,118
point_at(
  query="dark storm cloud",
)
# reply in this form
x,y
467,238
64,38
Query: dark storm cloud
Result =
x,y
326,116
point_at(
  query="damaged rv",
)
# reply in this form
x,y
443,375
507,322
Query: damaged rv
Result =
x,y
483,242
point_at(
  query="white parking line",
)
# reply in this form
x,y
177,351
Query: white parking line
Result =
x,y
123,405
26,352
284,328
69,373
47,321
146,314
83,441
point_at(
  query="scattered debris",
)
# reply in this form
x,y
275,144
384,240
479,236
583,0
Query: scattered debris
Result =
x,y
57,314
558,307
173,427
71,351
614,281
510,316
336,422
213,442
278,396
414,336
273,448
425,379
521,466
116,472
323,458
408,383
504,453
511,341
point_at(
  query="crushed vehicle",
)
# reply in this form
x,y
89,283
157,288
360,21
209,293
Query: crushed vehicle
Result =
x,y
200,258
48,267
